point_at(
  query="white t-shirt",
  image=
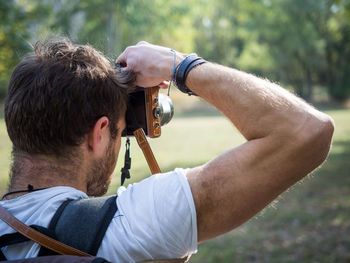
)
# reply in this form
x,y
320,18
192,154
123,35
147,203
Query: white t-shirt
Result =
x,y
156,219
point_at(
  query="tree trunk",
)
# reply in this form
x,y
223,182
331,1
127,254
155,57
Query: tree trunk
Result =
x,y
308,89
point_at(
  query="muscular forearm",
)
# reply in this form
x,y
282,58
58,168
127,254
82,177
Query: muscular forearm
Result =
x,y
287,138
257,107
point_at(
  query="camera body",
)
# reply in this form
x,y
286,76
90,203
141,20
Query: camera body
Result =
x,y
151,110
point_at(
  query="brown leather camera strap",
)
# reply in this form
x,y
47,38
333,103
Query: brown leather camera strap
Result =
x,y
38,237
53,244
147,151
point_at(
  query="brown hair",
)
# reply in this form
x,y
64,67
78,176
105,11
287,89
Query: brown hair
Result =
x,y
57,94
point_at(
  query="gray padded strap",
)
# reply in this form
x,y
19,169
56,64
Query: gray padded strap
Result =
x,y
83,222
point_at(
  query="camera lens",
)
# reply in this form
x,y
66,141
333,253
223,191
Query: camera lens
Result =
x,y
165,110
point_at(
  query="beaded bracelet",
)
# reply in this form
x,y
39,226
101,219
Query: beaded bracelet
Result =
x,y
172,80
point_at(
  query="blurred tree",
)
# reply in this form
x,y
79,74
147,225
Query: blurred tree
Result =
x,y
220,33
296,42
13,33
111,25
108,25
19,20
334,26
273,38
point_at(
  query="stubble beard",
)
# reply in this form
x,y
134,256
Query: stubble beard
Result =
x,y
100,172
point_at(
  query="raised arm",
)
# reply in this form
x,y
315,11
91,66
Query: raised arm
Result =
x,y
286,138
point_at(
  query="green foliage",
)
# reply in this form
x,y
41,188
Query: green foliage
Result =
x,y
13,33
112,25
302,43
298,43
20,21
338,50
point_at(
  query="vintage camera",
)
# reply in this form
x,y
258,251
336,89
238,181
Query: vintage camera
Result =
x,y
150,109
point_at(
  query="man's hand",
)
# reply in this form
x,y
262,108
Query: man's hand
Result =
x,y
152,64
286,138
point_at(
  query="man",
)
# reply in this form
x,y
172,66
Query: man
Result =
x,y
65,114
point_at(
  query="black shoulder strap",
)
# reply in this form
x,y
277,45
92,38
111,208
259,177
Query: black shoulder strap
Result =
x,y
16,238
83,223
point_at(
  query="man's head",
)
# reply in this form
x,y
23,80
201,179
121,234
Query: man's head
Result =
x,y
57,95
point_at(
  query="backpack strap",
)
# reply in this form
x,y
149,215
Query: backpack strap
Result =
x,y
83,223
16,238
36,236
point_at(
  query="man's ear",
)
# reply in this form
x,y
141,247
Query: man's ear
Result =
x,y
99,135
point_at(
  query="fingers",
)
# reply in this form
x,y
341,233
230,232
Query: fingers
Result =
x,y
151,63
122,61
126,60
122,57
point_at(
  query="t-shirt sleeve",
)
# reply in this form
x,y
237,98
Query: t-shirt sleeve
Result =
x,y
161,215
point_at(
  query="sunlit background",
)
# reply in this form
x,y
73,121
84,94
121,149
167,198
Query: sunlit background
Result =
x,y
302,44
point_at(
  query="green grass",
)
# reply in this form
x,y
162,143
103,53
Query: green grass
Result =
x,y
5,150
309,223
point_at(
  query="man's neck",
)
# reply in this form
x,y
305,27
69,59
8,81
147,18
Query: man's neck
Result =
x,y
44,172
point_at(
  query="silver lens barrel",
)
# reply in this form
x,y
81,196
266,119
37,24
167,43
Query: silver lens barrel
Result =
x,y
165,110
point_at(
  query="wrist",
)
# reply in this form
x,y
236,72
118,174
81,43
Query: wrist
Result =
x,y
200,76
174,59
183,69
179,58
